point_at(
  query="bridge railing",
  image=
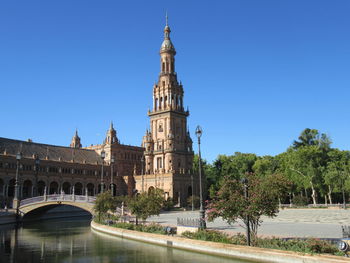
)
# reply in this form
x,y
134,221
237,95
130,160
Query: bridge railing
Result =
x,y
58,197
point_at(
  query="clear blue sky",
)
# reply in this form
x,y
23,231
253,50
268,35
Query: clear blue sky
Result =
x,y
255,73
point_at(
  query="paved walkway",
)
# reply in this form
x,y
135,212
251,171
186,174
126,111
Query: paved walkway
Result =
x,y
322,223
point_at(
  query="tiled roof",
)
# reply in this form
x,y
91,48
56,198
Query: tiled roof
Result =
x,y
53,152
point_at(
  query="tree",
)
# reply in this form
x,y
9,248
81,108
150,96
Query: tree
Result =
x,y
104,202
307,164
146,204
312,137
337,173
232,166
265,165
231,204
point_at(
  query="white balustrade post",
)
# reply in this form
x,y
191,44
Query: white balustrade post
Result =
x,y
45,197
86,194
73,193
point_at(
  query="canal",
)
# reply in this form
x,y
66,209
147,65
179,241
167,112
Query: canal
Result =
x,y
72,240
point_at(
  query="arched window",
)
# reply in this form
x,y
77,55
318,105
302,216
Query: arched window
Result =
x,y
66,188
27,188
163,67
78,189
53,188
165,101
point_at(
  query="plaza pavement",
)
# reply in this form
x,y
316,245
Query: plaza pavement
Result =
x,y
319,223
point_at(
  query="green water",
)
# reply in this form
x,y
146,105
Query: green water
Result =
x,y
74,241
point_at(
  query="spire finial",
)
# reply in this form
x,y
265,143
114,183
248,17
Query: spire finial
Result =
x,y
166,18
76,132
111,126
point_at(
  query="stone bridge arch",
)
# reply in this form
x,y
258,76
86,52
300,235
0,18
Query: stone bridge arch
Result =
x,y
83,202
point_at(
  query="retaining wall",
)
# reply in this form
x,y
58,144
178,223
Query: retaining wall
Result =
x,y
219,249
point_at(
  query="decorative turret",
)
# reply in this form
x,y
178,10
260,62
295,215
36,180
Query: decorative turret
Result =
x,y
111,136
75,141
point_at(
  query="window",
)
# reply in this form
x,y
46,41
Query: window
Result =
x,y
159,162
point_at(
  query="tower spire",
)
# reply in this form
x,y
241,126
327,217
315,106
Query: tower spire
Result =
x,y
166,18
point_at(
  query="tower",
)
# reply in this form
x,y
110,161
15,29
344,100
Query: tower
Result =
x,y
111,136
75,143
168,146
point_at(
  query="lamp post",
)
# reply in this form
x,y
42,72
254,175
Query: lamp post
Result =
x,y
245,184
112,182
142,172
16,197
192,197
37,163
202,224
103,155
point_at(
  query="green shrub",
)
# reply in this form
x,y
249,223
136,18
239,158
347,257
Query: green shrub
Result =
x,y
151,228
196,202
209,235
310,245
168,204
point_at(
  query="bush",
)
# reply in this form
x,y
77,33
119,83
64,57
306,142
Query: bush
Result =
x,y
151,228
209,235
300,201
168,204
310,245
196,202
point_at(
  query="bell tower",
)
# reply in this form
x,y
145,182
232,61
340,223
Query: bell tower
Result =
x,y
168,146
75,143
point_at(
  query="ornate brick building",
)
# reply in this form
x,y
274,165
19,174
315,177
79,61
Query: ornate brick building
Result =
x,y
164,160
168,145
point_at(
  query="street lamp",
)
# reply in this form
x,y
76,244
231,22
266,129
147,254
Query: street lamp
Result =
x,y
112,183
202,224
245,184
16,197
37,163
103,155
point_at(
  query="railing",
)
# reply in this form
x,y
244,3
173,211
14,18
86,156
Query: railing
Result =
x,y
312,205
188,222
345,231
58,197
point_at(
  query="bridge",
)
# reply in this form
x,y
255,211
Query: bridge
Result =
x,y
84,202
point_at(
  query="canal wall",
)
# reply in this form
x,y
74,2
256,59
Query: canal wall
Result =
x,y
7,218
219,249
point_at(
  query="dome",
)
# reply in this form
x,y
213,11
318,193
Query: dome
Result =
x,y
167,45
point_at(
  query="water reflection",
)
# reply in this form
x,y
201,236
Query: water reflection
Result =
x,y
73,241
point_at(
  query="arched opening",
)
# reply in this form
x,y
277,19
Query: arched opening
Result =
x,y
151,189
41,188
27,189
99,188
165,101
66,187
163,67
91,189
113,188
2,187
11,188
78,189
53,188
189,191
